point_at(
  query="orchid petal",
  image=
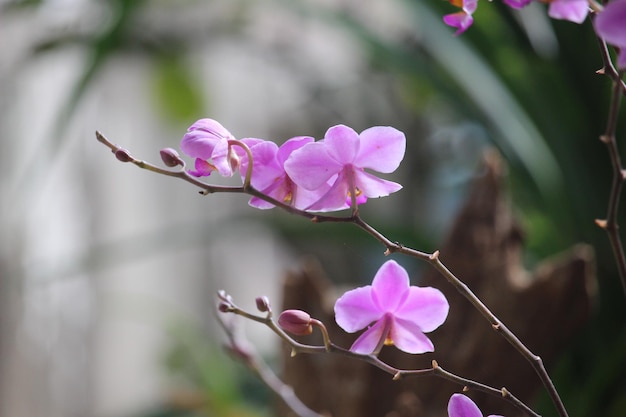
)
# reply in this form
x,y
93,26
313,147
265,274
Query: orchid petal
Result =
x,y
202,168
610,26
372,338
266,168
302,198
197,144
278,190
259,203
211,127
382,149
517,4
334,198
202,137
223,158
462,406
390,286
311,166
470,6
249,142
343,143
372,186
408,337
460,20
427,307
356,309
573,10
287,148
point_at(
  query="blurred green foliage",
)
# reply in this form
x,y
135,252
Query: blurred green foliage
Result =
x,y
176,95
206,382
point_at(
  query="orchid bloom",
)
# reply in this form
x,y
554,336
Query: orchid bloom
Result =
x,y
462,406
400,313
610,25
461,20
341,159
573,10
208,140
269,176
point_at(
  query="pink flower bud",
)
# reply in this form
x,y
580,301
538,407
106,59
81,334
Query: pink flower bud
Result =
x,y
123,155
262,304
225,307
297,322
170,157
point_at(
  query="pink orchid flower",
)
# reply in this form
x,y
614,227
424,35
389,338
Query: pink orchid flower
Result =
x,y
573,10
341,159
208,140
269,176
610,25
401,313
462,406
461,20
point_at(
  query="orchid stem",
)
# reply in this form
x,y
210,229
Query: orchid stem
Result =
x,y
610,224
372,359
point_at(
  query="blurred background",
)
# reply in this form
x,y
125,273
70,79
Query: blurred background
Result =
x,y
108,273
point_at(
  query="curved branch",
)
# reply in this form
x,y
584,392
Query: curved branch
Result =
x,y
228,306
610,224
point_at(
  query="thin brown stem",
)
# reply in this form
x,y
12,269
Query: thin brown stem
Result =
x,y
254,363
610,223
330,347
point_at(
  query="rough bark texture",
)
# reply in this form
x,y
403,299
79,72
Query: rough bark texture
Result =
x,y
544,309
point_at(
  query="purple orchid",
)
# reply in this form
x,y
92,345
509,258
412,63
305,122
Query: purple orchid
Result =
x,y
610,25
461,20
208,140
462,406
341,159
573,10
269,176
401,313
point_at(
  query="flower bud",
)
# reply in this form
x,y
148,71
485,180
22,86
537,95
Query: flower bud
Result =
x,y
225,307
123,155
170,157
297,322
262,304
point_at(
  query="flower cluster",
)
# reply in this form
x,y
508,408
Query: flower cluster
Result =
x,y
325,175
610,23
